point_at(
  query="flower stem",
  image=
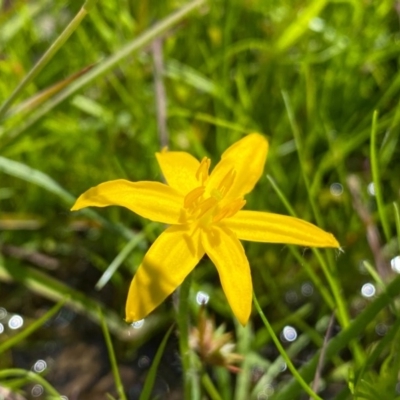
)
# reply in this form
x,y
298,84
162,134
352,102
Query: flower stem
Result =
x,y
283,353
210,388
182,319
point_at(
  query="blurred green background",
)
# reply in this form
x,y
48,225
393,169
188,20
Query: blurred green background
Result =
x,y
307,74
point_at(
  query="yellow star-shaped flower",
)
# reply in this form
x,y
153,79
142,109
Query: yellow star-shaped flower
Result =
x,y
205,215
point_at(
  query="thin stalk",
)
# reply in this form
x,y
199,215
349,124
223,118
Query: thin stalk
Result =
x,y
50,53
342,314
118,260
283,353
300,153
397,219
377,179
210,388
183,325
31,377
111,354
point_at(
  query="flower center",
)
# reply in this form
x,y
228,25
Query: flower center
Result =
x,y
204,205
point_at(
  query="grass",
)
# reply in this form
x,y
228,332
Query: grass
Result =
x,y
320,79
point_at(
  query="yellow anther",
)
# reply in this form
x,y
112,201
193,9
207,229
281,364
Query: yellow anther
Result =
x,y
206,206
202,171
193,196
227,182
229,210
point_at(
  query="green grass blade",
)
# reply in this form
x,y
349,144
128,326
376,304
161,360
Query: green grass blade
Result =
x,y
111,354
397,219
31,328
118,260
342,340
377,179
283,353
50,53
299,26
31,175
30,376
109,63
151,376
55,290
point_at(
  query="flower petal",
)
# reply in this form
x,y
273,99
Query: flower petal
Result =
x,y
179,169
152,200
166,264
275,228
247,158
227,253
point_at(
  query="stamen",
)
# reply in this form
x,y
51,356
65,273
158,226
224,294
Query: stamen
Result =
x,y
227,182
193,196
202,171
206,206
229,210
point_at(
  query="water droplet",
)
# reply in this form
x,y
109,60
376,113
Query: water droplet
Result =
x,y
1,328
3,312
40,366
37,390
202,298
289,333
381,329
291,297
138,324
307,289
368,290
144,362
283,367
371,189
316,24
395,264
336,189
15,322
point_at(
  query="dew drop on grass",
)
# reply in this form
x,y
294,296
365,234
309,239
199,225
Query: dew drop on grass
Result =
x,y
368,290
15,322
381,329
289,334
307,289
40,366
371,189
291,297
336,189
395,264
37,391
138,324
202,298
1,328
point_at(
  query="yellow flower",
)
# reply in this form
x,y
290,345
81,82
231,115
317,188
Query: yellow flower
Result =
x,y
205,215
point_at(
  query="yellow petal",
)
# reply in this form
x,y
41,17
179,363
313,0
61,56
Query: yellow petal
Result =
x,y
274,228
166,264
179,169
247,157
152,200
227,253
